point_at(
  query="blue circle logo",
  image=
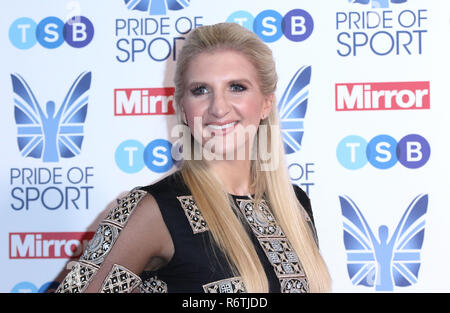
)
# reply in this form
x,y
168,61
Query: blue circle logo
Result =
x,y
78,31
267,25
51,32
351,152
413,151
22,33
158,156
242,18
297,25
131,156
383,152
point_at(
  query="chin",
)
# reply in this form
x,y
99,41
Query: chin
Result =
x,y
229,152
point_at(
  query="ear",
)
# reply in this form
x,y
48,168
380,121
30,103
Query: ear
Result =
x,y
267,105
182,114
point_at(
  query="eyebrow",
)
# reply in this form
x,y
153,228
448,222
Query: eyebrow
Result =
x,y
241,80
231,81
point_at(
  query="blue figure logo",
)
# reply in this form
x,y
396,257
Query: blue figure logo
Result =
x,y
384,262
292,109
377,3
156,7
51,134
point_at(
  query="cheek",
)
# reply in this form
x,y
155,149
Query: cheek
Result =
x,y
194,116
252,111
193,110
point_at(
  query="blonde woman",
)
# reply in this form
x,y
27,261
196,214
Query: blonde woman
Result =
x,y
229,220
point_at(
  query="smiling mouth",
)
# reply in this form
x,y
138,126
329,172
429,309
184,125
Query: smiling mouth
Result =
x,y
221,129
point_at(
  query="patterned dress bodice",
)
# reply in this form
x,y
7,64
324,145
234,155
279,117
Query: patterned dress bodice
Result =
x,y
198,265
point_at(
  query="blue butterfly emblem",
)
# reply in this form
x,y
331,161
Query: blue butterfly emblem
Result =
x,y
384,262
292,109
377,3
156,7
48,134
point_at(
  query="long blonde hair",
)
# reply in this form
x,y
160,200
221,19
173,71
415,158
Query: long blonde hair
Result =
x,y
215,204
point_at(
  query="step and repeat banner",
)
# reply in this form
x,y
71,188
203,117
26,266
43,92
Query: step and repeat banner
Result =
x,y
87,111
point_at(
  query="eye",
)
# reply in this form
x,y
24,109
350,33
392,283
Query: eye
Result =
x,y
235,87
199,90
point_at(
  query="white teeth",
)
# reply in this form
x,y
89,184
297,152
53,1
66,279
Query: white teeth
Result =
x,y
221,126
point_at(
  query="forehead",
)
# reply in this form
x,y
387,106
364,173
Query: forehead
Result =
x,y
220,64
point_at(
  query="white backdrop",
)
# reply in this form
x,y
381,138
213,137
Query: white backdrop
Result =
x,y
51,198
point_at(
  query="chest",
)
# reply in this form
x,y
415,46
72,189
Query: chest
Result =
x,y
198,265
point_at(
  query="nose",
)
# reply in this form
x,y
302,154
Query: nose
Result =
x,y
219,106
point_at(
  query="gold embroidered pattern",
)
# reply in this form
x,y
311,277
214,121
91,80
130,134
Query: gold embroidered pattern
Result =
x,y
78,278
230,285
294,285
260,219
101,244
153,285
276,246
120,280
193,214
281,256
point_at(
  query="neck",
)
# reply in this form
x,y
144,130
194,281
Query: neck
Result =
x,y
234,175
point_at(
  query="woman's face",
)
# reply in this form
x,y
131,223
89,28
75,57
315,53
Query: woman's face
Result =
x,y
223,104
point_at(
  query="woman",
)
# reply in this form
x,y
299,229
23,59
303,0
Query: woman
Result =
x,y
227,221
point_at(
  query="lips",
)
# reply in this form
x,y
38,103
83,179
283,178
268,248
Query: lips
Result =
x,y
222,127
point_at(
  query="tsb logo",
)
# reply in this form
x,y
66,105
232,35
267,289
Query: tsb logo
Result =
x,y
382,96
131,156
383,151
269,25
51,32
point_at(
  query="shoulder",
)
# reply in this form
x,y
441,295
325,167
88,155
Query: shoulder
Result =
x,y
141,224
165,194
304,200
137,206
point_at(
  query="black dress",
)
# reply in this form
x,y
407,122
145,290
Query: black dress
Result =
x,y
199,266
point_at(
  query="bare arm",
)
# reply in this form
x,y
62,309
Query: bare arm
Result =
x,y
132,238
